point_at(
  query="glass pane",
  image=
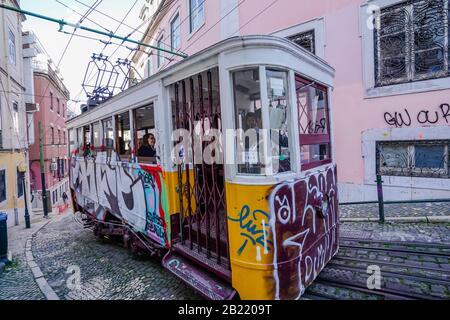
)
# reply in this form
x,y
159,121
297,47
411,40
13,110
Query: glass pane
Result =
x,y
145,134
391,45
312,110
313,153
108,134
430,157
394,156
97,137
248,113
277,91
123,135
305,40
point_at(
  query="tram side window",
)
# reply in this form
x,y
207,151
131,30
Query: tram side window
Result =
x,y
96,136
313,122
108,134
248,113
80,141
144,137
123,139
87,147
72,142
277,92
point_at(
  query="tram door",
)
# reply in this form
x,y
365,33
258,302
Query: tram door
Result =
x,y
201,188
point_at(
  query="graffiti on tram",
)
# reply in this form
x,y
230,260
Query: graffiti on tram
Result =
x,y
304,240
120,188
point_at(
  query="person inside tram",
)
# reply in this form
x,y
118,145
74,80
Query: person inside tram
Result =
x,y
148,149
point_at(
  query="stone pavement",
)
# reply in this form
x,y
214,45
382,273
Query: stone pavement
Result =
x,y
17,281
63,249
107,271
438,209
411,232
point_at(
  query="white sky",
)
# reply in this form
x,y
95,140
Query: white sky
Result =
x,y
78,55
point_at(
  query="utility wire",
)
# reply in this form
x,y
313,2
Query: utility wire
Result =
x,y
80,14
90,10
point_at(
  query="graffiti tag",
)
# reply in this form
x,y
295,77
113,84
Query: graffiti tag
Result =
x,y
255,228
405,119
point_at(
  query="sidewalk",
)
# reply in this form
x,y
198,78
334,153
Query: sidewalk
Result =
x,y
408,212
17,281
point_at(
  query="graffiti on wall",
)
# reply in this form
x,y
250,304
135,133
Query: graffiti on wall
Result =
x,y
132,192
305,238
424,117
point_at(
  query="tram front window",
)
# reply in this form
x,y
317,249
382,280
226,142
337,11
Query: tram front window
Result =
x,y
123,136
145,138
277,92
248,111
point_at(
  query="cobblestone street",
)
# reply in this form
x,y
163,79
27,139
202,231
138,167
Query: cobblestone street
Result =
x,y
396,210
107,270
110,272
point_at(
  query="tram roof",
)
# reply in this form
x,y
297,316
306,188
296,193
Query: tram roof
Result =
x,y
230,44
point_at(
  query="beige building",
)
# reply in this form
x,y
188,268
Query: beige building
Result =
x,y
16,112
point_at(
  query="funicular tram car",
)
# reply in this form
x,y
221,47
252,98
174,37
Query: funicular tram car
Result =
x,y
259,221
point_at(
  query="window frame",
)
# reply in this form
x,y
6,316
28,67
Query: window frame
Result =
x,y
315,139
12,47
411,74
159,53
3,172
266,171
176,17
370,91
193,29
411,170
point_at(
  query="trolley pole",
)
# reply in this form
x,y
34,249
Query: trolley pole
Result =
x,y
41,157
380,197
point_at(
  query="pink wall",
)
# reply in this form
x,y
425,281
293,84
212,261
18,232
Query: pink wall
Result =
x,y
352,112
46,116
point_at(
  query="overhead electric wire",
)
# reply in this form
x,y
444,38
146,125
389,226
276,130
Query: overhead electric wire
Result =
x,y
94,5
80,14
127,25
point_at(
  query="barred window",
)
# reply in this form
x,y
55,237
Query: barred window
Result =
x,y
428,159
412,42
305,40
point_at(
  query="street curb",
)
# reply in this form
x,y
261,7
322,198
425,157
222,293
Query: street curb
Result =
x,y
42,283
430,219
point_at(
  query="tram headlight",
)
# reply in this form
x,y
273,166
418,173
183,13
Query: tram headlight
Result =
x,y
323,205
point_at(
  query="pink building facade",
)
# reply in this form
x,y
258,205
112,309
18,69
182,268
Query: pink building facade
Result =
x,y
51,96
391,100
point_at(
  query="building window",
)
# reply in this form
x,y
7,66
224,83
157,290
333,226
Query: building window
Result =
x,y
52,131
2,185
412,42
305,40
12,47
51,101
160,57
16,116
175,33
64,138
58,106
19,184
59,136
196,14
428,159
313,124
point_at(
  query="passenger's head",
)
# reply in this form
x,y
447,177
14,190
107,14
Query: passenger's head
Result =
x,y
149,139
250,120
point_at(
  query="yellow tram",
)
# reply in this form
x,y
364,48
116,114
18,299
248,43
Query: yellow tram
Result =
x,y
222,164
